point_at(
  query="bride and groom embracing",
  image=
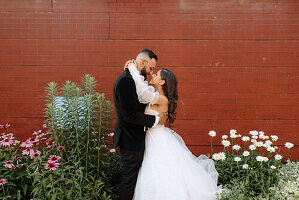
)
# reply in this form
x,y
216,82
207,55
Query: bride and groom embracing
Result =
x,y
157,165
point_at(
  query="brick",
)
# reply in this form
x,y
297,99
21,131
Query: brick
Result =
x,y
25,6
54,25
115,53
200,26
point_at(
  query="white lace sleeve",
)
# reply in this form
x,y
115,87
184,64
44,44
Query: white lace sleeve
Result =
x,y
146,93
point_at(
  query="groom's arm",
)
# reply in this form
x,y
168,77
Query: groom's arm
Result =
x,y
127,98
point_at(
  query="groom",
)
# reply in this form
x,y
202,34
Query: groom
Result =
x,y
129,132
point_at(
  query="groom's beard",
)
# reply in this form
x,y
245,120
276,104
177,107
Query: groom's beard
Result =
x,y
143,73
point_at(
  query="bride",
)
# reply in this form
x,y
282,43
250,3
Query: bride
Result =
x,y
169,170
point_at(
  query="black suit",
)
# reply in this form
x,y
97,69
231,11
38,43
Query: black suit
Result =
x,y
129,132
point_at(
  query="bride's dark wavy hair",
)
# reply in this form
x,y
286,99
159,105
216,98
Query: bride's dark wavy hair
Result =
x,y
171,92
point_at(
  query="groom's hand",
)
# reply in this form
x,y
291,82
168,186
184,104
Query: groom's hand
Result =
x,y
163,118
130,62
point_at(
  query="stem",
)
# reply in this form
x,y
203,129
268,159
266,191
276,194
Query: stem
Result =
x,y
238,170
3,190
99,139
86,160
211,146
76,128
61,130
288,154
262,177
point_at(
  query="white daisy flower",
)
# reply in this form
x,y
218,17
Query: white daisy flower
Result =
x,y
237,159
245,138
225,143
233,136
224,137
268,142
278,157
216,156
236,147
245,166
222,156
254,137
266,137
261,133
259,158
246,153
252,147
272,167
253,133
262,137
266,145
112,150
271,149
233,131
289,145
111,134
253,140
274,137
212,133
265,159
259,144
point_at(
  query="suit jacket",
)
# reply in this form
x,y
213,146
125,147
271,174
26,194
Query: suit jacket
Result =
x,y
129,131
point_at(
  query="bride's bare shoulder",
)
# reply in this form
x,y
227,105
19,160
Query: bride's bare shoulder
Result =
x,y
163,99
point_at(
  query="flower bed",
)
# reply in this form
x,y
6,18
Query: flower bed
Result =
x,y
252,170
70,158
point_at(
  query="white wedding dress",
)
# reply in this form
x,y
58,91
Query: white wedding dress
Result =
x,y
169,170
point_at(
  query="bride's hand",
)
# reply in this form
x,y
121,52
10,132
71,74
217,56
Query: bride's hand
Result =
x,y
132,61
163,117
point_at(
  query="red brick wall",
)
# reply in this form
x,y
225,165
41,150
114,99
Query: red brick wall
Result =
x,y
236,60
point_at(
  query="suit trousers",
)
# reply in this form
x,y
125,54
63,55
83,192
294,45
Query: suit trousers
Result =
x,y
131,161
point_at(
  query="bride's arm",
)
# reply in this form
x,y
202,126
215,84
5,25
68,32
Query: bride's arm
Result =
x,y
146,93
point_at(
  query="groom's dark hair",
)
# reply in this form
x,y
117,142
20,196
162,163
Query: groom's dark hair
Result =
x,y
150,54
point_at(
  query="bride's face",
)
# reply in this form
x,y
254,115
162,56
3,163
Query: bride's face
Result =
x,y
156,79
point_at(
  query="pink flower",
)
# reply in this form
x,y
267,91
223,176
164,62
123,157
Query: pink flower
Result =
x,y
51,166
60,148
6,142
8,164
18,158
44,125
74,171
19,165
37,132
10,135
41,136
3,181
53,159
35,154
32,140
26,144
26,152
5,126
50,144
